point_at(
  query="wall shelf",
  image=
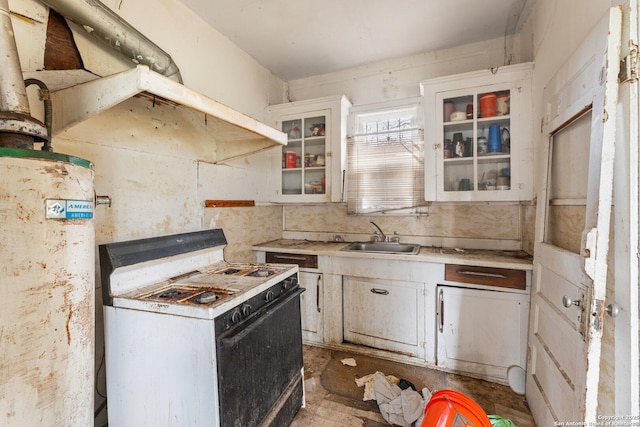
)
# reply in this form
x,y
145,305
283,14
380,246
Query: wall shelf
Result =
x,y
235,134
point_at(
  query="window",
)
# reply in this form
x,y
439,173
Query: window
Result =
x,y
385,161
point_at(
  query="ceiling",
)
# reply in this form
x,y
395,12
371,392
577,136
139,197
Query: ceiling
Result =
x,y
296,39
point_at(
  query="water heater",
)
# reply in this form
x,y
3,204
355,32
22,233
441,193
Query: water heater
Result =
x,y
47,276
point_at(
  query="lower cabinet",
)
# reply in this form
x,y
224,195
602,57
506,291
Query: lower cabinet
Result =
x,y
311,306
460,318
384,314
481,332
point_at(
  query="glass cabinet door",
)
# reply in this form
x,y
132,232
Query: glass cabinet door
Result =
x,y
479,127
304,158
476,141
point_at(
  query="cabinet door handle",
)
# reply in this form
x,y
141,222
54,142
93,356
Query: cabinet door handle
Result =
x,y
379,291
297,258
481,273
318,293
441,300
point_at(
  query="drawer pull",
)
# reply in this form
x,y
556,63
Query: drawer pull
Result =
x,y
379,291
298,258
481,273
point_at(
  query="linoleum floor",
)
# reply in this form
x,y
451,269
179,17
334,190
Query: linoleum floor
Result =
x,y
334,400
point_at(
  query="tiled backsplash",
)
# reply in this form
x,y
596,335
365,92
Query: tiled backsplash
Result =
x,y
478,225
244,227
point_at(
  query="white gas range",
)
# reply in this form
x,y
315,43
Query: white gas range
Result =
x,y
193,340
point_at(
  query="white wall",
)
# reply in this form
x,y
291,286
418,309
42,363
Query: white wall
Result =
x,y
133,143
399,78
209,62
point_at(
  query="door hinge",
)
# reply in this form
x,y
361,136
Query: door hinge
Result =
x,y
629,66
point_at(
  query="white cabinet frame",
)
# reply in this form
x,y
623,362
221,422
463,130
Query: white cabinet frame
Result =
x,y
516,79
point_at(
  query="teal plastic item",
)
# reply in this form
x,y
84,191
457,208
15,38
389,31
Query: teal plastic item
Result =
x,y
497,421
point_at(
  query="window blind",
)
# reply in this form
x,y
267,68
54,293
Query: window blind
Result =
x,y
385,162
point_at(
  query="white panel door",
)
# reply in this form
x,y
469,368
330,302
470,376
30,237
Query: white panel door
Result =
x,y
384,314
311,306
572,231
482,332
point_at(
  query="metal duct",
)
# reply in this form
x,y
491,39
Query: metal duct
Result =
x,y
17,128
105,25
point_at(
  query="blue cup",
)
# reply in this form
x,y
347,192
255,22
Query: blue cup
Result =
x,y
494,145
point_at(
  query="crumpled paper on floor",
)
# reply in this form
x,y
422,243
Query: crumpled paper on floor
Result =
x,y
397,406
350,361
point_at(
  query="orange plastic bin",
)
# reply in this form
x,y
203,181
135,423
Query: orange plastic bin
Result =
x,y
449,408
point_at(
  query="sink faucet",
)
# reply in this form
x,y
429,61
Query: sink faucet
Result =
x,y
385,238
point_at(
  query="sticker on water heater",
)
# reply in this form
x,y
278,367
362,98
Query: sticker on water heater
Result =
x,y
68,209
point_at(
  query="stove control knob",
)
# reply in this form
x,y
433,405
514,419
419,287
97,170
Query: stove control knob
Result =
x,y
269,296
246,310
289,283
236,316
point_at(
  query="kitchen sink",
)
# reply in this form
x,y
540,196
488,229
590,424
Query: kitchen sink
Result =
x,y
383,248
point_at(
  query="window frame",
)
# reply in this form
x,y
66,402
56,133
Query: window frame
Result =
x,y
420,204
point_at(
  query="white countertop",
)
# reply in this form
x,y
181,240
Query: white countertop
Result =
x,y
518,260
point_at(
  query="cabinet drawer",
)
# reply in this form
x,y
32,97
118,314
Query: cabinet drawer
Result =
x,y
489,276
302,260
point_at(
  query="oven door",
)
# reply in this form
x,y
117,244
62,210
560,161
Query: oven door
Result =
x,y
259,364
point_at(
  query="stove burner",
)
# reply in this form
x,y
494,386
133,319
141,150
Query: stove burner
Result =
x,y
186,294
261,272
170,293
206,297
246,270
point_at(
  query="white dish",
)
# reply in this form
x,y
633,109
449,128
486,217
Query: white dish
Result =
x,y
457,116
503,187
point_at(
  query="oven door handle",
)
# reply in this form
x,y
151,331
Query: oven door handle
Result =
x,y
231,337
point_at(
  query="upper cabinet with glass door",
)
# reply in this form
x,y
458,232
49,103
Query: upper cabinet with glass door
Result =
x,y
313,161
479,127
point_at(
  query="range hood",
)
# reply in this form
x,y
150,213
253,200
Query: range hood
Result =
x,y
235,133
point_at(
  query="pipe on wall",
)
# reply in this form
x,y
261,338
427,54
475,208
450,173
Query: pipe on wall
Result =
x,y
48,110
17,128
109,28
